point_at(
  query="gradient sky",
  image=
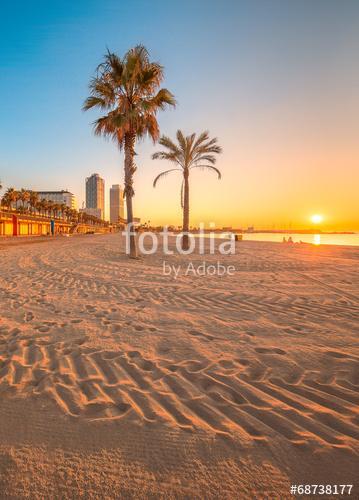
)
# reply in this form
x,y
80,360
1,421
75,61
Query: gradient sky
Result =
x,y
276,81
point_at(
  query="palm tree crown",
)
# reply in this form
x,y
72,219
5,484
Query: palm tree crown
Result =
x,y
189,153
128,89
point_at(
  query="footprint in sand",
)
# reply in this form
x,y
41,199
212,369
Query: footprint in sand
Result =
x,y
80,341
337,354
116,328
244,362
100,314
196,333
133,354
28,316
226,364
273,350
42,328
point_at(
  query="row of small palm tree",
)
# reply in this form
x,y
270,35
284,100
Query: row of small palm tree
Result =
x,y
128,90
27,201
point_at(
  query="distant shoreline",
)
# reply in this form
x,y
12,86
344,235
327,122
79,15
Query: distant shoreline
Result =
x,y
264,231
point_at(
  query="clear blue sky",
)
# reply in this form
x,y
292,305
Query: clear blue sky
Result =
x,y
269,78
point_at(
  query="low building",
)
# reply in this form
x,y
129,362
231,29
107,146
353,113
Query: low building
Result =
x,y
59,197
95,212
136,221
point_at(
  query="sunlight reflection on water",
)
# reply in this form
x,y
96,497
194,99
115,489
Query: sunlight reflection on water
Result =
x,y
316,239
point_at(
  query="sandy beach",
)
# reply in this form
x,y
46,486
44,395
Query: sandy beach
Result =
x,y
117,381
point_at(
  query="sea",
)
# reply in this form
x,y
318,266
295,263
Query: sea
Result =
x,y
315,239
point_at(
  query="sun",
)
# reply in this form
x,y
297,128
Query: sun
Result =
x,y
316,218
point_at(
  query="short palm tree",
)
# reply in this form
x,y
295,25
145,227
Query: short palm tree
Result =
x,y
11,196
33,200
63,209
45,205
190,152
24,197
128,89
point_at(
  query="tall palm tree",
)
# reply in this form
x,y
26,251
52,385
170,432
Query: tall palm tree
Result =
x,y
190,152
128,89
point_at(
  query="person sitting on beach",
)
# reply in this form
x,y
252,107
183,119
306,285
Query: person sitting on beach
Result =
x,y
284,240
290,239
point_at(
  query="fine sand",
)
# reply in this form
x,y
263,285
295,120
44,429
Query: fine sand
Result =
x,y
119,382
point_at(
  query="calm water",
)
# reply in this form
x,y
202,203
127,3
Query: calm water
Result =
x,y
316,239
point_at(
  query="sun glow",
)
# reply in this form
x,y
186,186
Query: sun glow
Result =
x,y
316,218
316,239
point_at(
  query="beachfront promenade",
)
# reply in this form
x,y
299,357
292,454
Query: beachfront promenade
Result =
x,y
16,224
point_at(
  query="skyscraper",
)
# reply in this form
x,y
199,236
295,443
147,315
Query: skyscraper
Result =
x,y
116,204
95,193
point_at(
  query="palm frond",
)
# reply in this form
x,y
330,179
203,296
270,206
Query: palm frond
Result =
x,y
204,157
204,136
158,101
169,144
163,174
208,167
164,155
93,101
181,140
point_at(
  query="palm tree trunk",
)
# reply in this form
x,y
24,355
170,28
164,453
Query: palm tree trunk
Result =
x,y
185,240
128,191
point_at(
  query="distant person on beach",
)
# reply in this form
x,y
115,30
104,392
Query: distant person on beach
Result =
x,y
284,240
290,239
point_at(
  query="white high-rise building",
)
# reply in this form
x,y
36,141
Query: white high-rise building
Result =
x,y
95,193
116,204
